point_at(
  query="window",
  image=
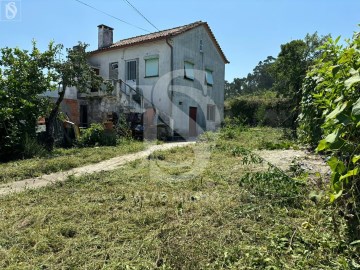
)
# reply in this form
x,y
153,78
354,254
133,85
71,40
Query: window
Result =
x,y
97,71
209,77
189,70
131,70
114,71
201,46
210,112
152,67
114,65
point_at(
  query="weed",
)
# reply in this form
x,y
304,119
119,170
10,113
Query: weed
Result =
x,y
269,145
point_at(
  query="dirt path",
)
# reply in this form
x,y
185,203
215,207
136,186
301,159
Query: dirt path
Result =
x,y
281,158
309,162
106,165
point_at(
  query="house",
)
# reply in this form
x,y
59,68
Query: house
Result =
x,y
174,77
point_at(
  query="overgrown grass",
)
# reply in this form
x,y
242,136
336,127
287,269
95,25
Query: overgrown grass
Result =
x,y
209,206
64,159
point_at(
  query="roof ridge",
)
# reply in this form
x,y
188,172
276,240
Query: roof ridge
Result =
x,y
157,32
163,34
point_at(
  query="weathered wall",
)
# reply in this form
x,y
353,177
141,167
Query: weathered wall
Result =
x,y
71,108
197,93
157,90
153,89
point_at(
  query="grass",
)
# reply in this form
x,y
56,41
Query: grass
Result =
x,y
64,159
208,206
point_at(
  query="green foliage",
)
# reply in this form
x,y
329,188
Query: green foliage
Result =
x,y
123,128
283,76
24,75
259,81
73,71
270,145
32,148
260,110
232,127
290,70
331,101
96,135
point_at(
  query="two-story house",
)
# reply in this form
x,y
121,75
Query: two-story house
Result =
x,y
176,75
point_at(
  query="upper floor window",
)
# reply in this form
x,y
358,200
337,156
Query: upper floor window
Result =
x,y
114,71
114,65
131,70
189,70
96,70
209,77
152,67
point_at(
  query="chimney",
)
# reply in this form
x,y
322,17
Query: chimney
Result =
x,y
105,36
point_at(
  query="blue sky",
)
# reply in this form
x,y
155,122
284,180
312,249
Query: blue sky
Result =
x,y
247,30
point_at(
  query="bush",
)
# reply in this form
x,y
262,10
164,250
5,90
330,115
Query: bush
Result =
x,y
330,119
260,110
32,148
96,135
232,127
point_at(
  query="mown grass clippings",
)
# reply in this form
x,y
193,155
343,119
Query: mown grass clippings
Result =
x,y
142,216
62,160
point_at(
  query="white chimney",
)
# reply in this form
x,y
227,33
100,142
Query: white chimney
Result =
x,y
105,36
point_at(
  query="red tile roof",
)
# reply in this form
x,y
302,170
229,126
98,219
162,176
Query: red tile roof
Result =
x,y
162,35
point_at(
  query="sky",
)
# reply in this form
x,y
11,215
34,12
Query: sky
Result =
x,y
247,30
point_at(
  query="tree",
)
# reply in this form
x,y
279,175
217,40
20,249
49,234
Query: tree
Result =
x,y
74,71
234,88
263,76
24,76
290,68
260,80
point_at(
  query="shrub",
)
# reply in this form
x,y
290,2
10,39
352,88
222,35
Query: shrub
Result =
x,y
97,135
331,114
260,110
32,148
232,127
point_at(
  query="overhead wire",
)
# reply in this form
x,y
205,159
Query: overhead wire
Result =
x,y
112,16
142,15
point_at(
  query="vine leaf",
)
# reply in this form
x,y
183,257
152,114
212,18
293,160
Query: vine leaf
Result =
x,y
334,196
339,108
355,159
350,173
336,165
356,108
357,242
352,80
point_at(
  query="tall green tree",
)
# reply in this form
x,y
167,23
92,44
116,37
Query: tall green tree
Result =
x,y
261,79
290,69
24,75
73,71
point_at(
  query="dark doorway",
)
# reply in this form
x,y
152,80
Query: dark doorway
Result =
x,y
192,121
83,116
